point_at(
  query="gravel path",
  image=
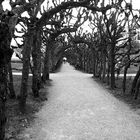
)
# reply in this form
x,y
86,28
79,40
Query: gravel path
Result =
x,y
78,108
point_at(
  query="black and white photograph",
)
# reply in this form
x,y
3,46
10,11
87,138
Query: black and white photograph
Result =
x,y
69,69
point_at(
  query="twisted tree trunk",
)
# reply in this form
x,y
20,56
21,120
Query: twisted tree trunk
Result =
x,y
108,73
94,63
36,55
25,70
135,82
46,70
5,57
104,67
137,88
112,65
124,77
3,86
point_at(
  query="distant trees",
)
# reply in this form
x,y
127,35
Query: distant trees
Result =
x,y
61,26
34,30
111,43
33,27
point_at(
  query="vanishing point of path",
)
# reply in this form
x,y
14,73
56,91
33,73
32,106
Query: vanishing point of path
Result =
x,y
78,108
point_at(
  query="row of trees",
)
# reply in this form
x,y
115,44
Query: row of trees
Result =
x,y
50,30
111,47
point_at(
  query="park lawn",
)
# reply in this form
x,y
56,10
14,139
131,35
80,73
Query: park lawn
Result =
x,y
127,97
131,70
17,122
16,66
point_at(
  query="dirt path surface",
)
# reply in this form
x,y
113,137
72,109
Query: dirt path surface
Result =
x,y
78,108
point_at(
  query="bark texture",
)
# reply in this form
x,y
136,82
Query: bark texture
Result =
x,y
135,82
36,55
112,71
46,70
124,78
25,70
5,57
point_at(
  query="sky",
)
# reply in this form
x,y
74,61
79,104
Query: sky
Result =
x,y
136,4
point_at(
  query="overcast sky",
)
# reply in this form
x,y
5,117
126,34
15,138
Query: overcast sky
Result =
x,y
136,4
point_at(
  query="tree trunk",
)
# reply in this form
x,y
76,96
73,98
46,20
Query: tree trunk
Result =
x,y
104,67
100,69
135,82
94,63
10,82
54,60
112,66
108,74
36,55
90,64
25,70
5,57
3,87
124,77
46,70
84,60
96,68
137,89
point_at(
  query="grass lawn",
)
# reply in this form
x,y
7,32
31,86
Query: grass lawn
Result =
x,y
17,122
132,69
16,66
127,97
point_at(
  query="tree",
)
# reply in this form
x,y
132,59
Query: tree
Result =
x,y
5,57
61,26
